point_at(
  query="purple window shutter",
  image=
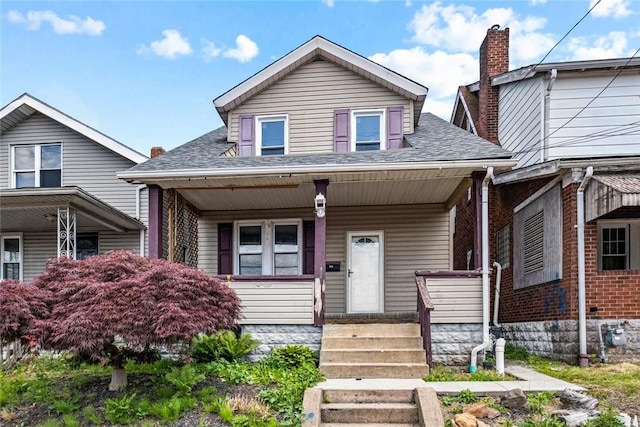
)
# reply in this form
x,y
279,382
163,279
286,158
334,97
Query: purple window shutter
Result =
x,y
308,245
225,248
341,131
395,132
246,137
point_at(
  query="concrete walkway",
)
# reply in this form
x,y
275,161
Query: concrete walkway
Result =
x,y
530,381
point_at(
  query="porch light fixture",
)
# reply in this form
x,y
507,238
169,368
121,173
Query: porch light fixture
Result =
x,y
321,205
51,217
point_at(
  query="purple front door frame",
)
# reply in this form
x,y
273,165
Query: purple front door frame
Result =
x,y
320,258
155,221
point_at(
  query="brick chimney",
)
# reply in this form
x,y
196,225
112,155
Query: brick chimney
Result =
x,y
494,60
156,151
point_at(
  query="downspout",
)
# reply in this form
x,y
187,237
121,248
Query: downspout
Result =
x,y
139,189
496,298
582,305
485,271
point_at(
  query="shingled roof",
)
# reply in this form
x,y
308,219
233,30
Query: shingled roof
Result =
x,y
435,140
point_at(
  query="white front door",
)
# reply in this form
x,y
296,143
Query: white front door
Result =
x,y
365,285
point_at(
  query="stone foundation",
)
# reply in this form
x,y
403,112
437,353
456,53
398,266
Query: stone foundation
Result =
x,y
559,339
272,336
452,343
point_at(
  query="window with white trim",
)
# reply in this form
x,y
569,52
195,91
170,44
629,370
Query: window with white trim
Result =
x,y
503,246
268,247
368,130
272,135
614,249
36,165
11,257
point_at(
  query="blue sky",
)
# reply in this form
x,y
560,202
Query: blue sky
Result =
x,y
145,73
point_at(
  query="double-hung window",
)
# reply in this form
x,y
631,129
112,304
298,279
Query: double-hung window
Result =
x,y
269,247
368,130
272,136
11,257
614,247
36,165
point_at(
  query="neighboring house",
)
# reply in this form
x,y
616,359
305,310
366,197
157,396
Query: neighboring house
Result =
x,y
59,194
574,128
321,196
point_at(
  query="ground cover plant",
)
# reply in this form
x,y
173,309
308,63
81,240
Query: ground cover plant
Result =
x,y
60,391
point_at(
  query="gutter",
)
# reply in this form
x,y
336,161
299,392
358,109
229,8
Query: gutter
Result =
x,y
311,169
582,309
485,271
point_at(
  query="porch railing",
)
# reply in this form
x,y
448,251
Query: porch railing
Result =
x,y
10,353
425,306
274,299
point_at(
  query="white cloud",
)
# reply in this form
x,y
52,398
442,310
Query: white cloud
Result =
x,y
329,3
441,72
461,28
71,25
245,50
170,47
613,45
210,50
615,8
537,2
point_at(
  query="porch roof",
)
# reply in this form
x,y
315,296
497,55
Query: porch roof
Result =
x,y
436,144
609,192
33,208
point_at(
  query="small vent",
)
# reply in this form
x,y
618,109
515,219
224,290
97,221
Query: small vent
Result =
x,y
534,243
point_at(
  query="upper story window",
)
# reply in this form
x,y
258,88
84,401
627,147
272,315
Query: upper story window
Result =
x,y
369,132
36,165
272,135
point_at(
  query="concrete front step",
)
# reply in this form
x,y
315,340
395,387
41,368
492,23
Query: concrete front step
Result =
x,y
374,370
378,343
355,355
368,396
371,330
379,412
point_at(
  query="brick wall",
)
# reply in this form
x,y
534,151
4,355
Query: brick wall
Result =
x,y
494,60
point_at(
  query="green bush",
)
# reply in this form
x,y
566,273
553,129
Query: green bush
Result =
x,y
119,411
223,344
169,410
291,356
184,379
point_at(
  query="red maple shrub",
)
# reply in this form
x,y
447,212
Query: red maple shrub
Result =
x,y
21,306
107,306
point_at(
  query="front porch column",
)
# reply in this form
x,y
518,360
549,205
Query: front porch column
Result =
x,y
67,232
320,258
155,221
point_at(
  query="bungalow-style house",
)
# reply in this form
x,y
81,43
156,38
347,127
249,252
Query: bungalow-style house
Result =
x,y
59,194
320,197
565,222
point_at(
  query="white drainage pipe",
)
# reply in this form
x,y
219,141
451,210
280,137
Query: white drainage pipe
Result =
x,y
500,343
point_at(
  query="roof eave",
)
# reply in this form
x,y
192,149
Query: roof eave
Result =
x,y
314,47
75,125
478,164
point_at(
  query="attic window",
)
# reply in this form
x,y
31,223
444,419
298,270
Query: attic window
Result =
x,y
36,165
272,135
369,130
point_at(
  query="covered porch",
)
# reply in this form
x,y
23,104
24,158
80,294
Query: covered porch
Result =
x,y
299,246
37,224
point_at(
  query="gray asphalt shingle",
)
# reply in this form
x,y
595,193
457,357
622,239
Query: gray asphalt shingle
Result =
x,y
434,140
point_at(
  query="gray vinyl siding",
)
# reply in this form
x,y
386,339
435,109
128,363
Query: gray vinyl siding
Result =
x,y
607,113
41,246
310,95
416,237
85,163
456,300
519,123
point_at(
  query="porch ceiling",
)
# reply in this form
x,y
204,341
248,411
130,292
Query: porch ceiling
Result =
x,y
339,193
32,208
